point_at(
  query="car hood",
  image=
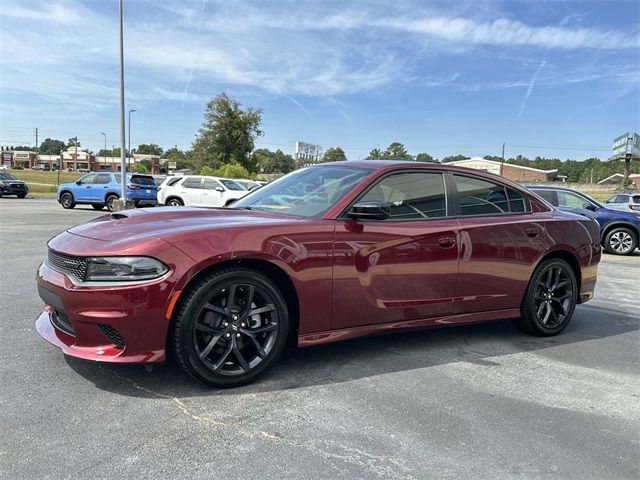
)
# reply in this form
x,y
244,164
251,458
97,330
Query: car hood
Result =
x,y
165,222
16,181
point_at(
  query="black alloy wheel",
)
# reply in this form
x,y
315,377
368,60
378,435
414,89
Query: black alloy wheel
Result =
x,y
230,327
67,201
550,299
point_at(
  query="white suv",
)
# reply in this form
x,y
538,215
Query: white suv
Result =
x,y
199,191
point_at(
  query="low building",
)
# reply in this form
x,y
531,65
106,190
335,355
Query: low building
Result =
x,y
513,172
616,178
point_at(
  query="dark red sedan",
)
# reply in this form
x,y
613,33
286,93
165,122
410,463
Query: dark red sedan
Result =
x,y
326,253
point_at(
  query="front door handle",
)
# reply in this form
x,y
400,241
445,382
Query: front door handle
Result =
x,y
532,232
447,242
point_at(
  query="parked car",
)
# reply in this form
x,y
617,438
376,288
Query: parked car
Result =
x,y
625,201
200,191
44,167
619,230
103,188
10,185
159,179
250,185
326,253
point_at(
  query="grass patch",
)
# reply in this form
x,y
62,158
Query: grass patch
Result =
x,y
48,178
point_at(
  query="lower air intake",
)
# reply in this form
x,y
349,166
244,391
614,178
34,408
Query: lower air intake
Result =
x,y
112,334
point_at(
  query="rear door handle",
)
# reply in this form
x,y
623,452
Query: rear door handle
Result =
x,y
532,232
447,242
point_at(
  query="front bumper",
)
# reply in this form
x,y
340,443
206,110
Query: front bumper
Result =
x,y
125,324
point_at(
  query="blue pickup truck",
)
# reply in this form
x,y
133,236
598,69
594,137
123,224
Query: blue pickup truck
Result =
x,y
100,189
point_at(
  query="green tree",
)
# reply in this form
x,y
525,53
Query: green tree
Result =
x,y
141,168
425,157
334,155
228,170
73,142
396,151
51,146
493,158
454,158
149,149
227,134
375,154
273,162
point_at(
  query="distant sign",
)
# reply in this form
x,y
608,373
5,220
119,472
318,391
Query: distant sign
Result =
x,y
6,158
626,144
308,152
172,165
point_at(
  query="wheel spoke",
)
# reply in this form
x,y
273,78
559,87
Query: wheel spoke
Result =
x,y
560,285
206,329
210,345
241,360
259,349
248,300
547,283
560,304
265,309
223,358
539,312
215,308
231,298
554,314
547,313
269,327
556,279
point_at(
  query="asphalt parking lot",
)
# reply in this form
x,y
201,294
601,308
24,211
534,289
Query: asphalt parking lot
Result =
x,y
483,401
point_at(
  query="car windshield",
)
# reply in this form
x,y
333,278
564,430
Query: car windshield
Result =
x,y
308,192
232,184
6,176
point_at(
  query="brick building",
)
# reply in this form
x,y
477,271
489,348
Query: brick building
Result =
x,y
508,170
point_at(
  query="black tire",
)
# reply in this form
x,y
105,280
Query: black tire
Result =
x,y
620,241
229,347
174,202
97,206
67,201
21,195
550,299
109,201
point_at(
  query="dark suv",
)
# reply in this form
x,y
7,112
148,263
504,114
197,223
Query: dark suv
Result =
x,y
619,230
10,185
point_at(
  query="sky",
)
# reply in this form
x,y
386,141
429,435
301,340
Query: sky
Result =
x,y
550,78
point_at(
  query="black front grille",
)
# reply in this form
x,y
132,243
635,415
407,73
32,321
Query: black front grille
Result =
x,y
61,321
76,266
112,334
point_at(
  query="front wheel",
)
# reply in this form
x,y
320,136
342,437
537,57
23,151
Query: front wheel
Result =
x,y
231,326
550,299
620,241
22,195
67,201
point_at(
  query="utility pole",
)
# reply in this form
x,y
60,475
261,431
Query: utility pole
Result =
x,y
105,147
36,146
75,156
502,164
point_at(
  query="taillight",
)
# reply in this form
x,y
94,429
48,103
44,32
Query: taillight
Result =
x,y
133,187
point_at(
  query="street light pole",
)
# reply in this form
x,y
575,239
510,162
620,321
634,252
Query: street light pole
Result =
x,y
123,166
105,147
129,150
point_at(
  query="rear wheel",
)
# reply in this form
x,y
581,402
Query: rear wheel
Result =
x,y
67,201
231,326
620,241
174,202
97,206
109,201
550,299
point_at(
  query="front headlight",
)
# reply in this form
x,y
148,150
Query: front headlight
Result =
x,y
124,268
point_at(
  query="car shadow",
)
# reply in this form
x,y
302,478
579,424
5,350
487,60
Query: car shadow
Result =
x,y
367,357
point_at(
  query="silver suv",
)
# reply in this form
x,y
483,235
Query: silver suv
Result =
x,y
625,201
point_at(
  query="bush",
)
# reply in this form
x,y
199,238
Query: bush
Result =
x,y
140,168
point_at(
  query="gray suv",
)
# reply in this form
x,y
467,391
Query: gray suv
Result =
x,y
625,201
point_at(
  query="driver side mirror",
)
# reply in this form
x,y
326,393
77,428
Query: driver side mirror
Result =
x,y
589,206
78,182
219,189
370,210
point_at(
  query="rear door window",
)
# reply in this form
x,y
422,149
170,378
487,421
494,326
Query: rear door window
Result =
x,y
192,183
482,197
